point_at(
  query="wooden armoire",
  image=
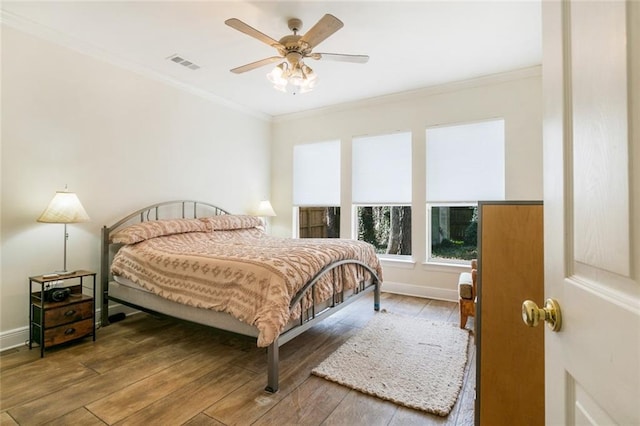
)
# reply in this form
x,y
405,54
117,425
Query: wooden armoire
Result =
x,y
510,355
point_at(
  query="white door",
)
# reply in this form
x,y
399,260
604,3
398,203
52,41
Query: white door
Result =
x,y
591,79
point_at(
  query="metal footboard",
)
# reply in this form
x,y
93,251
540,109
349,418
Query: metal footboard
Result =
x,y
314,317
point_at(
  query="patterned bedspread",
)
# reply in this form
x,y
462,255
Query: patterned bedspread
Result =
x,y
244,272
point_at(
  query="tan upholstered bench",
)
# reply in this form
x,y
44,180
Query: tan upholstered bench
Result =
x,y
467,293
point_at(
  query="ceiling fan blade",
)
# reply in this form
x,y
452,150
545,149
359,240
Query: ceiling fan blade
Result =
x,y
326,26
359,59
256,64
249,30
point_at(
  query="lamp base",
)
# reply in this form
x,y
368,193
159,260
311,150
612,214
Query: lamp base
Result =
x,y
63,273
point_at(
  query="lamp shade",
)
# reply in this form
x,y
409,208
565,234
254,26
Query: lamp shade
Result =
x,y
265,209
65,207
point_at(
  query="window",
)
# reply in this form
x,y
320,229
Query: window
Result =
x,y
454,231
387,228
316,189
381,168
465,163
319,222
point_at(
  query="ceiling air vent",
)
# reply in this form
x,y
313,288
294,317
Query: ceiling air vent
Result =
x,y
184,62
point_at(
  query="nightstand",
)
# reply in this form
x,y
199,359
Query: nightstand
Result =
x,y
52,322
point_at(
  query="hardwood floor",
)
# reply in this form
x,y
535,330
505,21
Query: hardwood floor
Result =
x,y
149,370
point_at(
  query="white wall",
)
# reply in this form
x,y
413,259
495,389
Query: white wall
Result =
x,y
514,96
121,141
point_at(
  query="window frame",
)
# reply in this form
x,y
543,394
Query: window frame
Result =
x,y
433,200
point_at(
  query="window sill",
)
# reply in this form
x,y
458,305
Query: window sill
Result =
x,y
445,267
397,262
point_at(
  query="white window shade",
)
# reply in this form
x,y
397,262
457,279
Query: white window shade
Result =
x,y
382,169
466,162
316,174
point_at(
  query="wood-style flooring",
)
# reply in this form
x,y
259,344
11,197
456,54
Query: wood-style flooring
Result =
x,y
159,371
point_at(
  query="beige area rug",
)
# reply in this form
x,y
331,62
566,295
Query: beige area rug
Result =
x,y
411,361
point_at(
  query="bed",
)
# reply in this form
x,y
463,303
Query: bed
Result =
x,y
197,262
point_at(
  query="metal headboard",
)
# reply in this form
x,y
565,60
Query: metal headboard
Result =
x,y
165,210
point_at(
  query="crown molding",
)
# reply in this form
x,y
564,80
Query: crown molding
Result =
x,y
33,28
492,79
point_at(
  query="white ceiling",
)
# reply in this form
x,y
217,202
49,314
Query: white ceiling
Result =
x,y
411,45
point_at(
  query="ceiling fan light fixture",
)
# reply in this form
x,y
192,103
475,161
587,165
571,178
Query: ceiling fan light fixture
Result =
x,y
293,49
297,77
277,76
300,76
309,74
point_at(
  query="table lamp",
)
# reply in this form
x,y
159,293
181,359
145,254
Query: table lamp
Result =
x,y
65,207
265,210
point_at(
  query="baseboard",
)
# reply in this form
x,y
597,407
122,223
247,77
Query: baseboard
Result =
x,y
20,336
14,338
420,291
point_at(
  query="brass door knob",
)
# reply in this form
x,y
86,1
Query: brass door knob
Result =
x,y
532,314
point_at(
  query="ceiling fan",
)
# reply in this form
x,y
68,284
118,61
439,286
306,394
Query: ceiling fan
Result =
x,y
293,49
